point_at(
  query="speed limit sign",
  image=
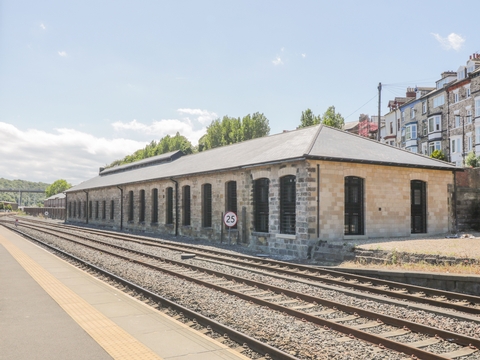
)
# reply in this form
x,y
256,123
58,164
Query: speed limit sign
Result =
x,y
230,219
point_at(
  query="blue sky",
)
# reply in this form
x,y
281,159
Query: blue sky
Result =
x,y
83,83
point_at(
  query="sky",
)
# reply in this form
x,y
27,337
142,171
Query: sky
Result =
x,y
84,83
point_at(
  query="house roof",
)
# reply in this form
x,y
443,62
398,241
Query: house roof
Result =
x,y
316,142
56,196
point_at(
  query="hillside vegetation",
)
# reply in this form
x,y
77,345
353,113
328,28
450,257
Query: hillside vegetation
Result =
x,y
28,199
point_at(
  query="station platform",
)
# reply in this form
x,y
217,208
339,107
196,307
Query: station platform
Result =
x,y
51,310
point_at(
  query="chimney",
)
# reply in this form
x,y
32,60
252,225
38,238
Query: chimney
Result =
x,y
411,93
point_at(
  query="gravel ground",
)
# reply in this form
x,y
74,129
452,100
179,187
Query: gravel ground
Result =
x,y
466,245
278,329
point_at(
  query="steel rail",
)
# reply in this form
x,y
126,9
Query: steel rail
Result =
x,y
452,337
235,335
302,271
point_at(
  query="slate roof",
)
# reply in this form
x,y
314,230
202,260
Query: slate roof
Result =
x,y
56,196
316,142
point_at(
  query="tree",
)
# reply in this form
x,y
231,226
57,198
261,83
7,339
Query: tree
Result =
x,y
231,130
438,154
330,118
57,187
309,119
472,160
166,144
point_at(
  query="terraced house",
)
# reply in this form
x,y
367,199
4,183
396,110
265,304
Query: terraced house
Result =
x,y
289,190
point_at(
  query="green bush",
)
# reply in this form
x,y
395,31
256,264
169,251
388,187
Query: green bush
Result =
x,y
472,160
438,154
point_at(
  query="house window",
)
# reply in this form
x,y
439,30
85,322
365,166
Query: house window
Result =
x,y
424,148
477,135
468,91
96,209
469,116
457,121
112,203
141,217
424,107
436,145
261,204
69,209
74,209
411,132
434,124
477,107
438,101
186,205
232,198
403,116
468,140
85,210
391,128
288,201
457,146
207,205
456,97
104,209
79,209
130,206
412,113
169,204
90,209
155,206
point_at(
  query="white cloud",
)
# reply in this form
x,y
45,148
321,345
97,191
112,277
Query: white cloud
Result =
x,y
43,26
62,53
304,56
277,61
452,41
203,116
75,156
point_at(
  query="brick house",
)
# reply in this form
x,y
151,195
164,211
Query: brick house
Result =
x,y
289,191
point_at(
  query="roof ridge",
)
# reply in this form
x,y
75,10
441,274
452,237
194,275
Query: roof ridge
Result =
x,y
314,139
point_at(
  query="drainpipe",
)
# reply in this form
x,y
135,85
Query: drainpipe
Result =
x,y
86,208
176,206
318,201
66,205
455,200
121,207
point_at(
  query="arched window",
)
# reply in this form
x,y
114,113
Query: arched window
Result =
x,y
261,204
186,205
288,202
155,206
418,200
354,223
207,205
169,206
141,217
130,206
231,199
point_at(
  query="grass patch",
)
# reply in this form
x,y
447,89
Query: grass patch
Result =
x,y
419,267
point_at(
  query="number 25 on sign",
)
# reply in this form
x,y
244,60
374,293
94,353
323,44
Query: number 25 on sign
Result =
x,y
230,219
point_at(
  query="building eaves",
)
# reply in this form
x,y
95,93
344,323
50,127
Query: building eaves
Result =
x,y
336,145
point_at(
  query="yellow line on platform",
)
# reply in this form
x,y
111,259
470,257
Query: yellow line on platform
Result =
x,y
116,341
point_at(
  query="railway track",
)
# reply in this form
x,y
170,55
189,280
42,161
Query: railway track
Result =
x,y
353,322
415,294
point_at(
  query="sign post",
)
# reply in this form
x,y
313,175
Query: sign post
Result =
x,y
230,219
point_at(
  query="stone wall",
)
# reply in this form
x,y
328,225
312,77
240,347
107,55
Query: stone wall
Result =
x,y
467,196
319,216
387,199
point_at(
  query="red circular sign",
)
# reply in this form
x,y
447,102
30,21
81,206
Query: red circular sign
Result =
x,y
230,219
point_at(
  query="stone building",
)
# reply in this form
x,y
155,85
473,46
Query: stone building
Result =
x,y
289,191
